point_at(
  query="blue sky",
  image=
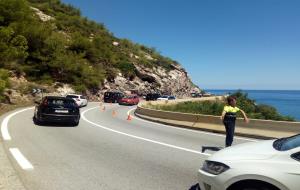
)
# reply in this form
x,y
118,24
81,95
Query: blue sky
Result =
x,y
223,44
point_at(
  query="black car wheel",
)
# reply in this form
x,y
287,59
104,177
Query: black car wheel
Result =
x,y
36,121
252,185
75,122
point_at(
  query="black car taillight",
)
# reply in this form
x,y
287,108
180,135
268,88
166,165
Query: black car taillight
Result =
x,y
45,103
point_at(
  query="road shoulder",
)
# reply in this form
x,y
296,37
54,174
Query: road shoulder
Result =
x,y
9,179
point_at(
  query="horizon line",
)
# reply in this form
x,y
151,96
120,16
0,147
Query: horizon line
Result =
x,y
236,89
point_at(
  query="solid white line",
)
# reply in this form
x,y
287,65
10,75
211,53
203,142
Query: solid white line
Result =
x,y
190,130
22,161
137,137
4,125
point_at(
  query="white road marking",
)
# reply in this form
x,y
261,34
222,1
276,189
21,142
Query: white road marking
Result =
x,y
190,130
4,125
20,158
140,138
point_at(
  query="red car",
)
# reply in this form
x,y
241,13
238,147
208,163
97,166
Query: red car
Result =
x,y
129,100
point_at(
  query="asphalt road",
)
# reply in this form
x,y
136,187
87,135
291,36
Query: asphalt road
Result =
x,y
107,152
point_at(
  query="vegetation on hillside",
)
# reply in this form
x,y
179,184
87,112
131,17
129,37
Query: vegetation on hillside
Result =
x,y
4,83
68,48
252,109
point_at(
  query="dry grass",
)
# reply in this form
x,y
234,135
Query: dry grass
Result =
x,y
4,108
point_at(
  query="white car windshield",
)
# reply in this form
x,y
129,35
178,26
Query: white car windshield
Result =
x,y
289,143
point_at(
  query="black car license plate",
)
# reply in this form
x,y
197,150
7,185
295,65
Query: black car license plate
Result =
x,y
61,111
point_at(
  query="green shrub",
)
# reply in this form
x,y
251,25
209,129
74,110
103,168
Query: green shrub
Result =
x,y
127,69
200,107
12,47
4,82
253,110
69,49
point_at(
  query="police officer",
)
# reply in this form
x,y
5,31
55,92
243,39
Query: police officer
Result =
x,y
229,116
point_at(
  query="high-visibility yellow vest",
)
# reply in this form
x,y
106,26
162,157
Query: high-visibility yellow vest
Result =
x,y
230,112
231,109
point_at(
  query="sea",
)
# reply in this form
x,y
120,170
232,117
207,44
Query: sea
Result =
x,y
287,102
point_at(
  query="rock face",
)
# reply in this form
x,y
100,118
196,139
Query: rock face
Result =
x,y
42,15
158,79
64,90
173,81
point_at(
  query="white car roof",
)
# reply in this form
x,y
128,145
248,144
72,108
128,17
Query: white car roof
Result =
x,y
73,95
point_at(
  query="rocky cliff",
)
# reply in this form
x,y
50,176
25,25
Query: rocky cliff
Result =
x,y
156,79
173,81
63,52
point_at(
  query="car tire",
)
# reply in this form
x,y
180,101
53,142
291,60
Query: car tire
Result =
x,y
75,123
256,186
195,187
36,121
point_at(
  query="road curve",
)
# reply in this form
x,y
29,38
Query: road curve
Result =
x,y
106,151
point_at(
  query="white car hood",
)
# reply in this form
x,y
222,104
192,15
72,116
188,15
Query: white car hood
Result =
x,y
246,151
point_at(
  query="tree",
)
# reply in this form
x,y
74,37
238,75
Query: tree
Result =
x,y
13,11
13,47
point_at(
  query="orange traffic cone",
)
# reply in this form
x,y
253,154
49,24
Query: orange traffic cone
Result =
x,y
114,113
129,117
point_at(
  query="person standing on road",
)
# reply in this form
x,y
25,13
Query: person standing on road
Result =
x,y
229,116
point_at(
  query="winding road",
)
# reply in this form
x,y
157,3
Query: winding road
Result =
x,y
105,151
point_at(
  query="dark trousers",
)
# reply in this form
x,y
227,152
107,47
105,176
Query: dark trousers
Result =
x,y
229,126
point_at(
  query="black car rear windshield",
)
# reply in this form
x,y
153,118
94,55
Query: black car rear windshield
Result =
x,y
153,95
61,102
112,94
109,94
288,143
72,96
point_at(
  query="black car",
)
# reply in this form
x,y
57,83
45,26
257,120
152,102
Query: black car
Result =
x,y
57,109
196,95
152,96
113,97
